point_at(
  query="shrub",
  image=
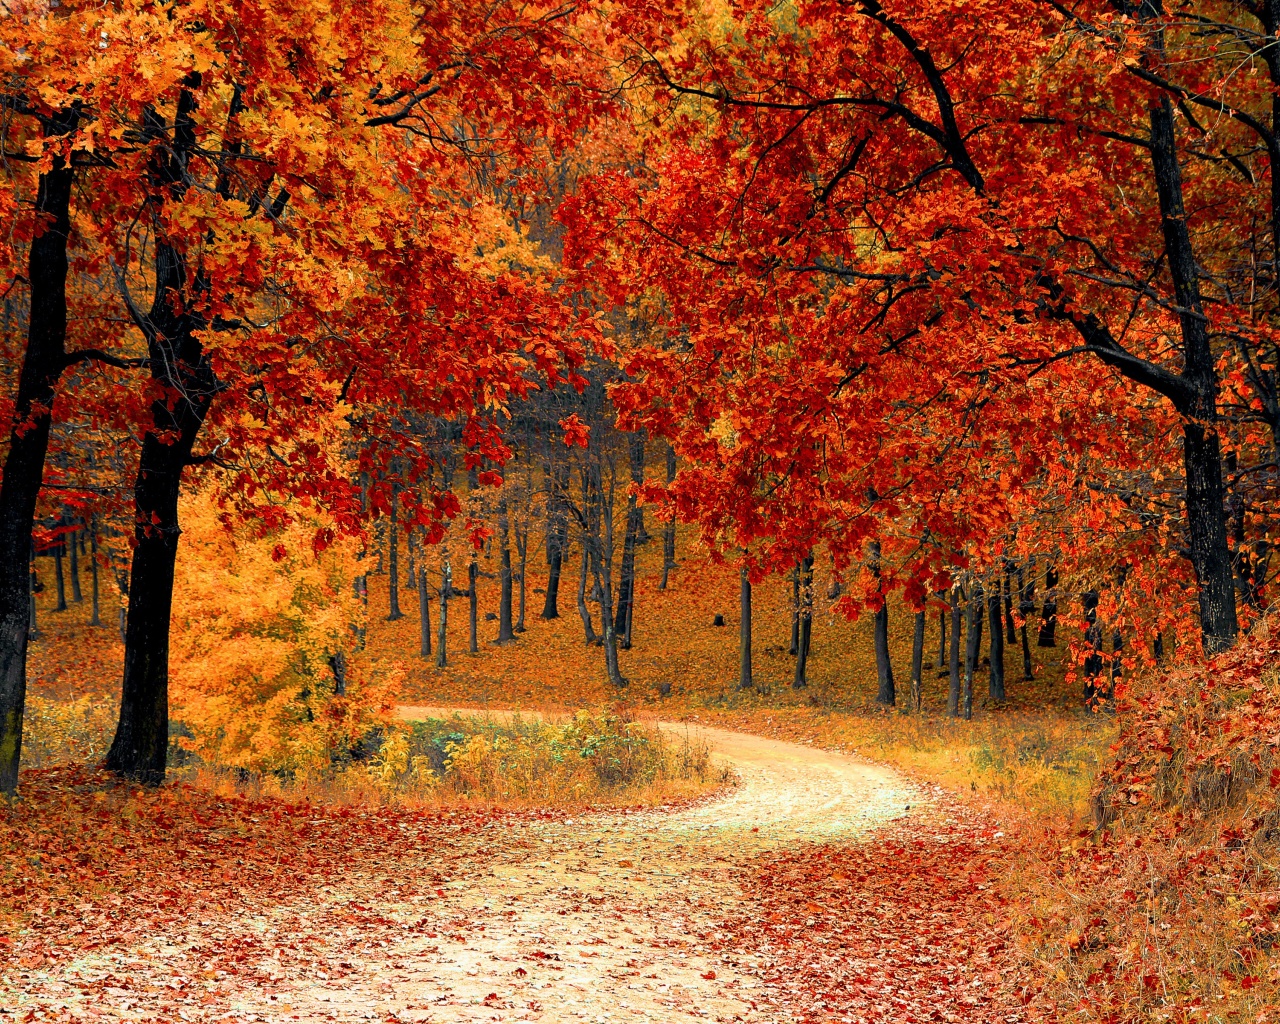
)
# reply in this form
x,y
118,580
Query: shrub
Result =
x,y
1170,907
591,758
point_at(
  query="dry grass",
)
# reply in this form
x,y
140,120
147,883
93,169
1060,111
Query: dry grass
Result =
x,y
590,760
1038,762
77,730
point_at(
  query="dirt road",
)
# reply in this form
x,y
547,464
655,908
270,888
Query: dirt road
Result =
x,y
604,917
611,917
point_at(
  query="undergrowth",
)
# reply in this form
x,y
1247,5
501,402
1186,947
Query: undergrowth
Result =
x,y
593,759
1167,906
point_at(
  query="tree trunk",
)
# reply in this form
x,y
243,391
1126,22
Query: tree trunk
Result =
x,y
522,550
1092,637
942,641
804,622
669,528
745,680
446,591
588,628
795,611
142,736
635,517
1201,455
338,667
42,364
557,538
995,685
77,596
410,576
473,598
917,662
953,689
1011,631
58,578
600,539
424,612
973,648
393,561
505,634
1049,610
94,620
885,693
182,368
1026,607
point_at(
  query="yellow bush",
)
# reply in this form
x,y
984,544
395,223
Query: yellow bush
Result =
x,y
257,618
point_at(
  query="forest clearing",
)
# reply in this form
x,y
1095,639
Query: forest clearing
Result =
x,y
738,510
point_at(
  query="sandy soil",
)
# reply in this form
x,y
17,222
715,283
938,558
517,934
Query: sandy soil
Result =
x,y
602,917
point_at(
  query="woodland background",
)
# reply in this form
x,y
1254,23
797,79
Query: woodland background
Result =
x,y
892,380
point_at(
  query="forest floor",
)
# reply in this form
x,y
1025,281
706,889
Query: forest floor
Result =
x,y
820,888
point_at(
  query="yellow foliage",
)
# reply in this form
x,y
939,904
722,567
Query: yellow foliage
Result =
x,y
256,621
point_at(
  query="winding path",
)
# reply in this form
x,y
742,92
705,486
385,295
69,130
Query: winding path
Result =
x,y
604,917
610,917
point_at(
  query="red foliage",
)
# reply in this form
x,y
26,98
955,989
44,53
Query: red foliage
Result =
x,y
160,857
908,926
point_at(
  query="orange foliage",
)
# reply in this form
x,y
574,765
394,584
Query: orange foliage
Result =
x,y
257,618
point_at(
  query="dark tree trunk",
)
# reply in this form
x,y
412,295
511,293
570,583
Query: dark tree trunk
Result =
x,y
1011,630
42,364
917,662
73,568
669,528
505,634
1049,610
424,612
973,648
338,667
995,685
635,522
599,540
446,592
393,561
473,599
885,694
410,576
58,579
94,620
1026,608
953,689
942,642
588,628
522,550
795,611
557,538
804,624
182,368
1092,637
1201,454
745,680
